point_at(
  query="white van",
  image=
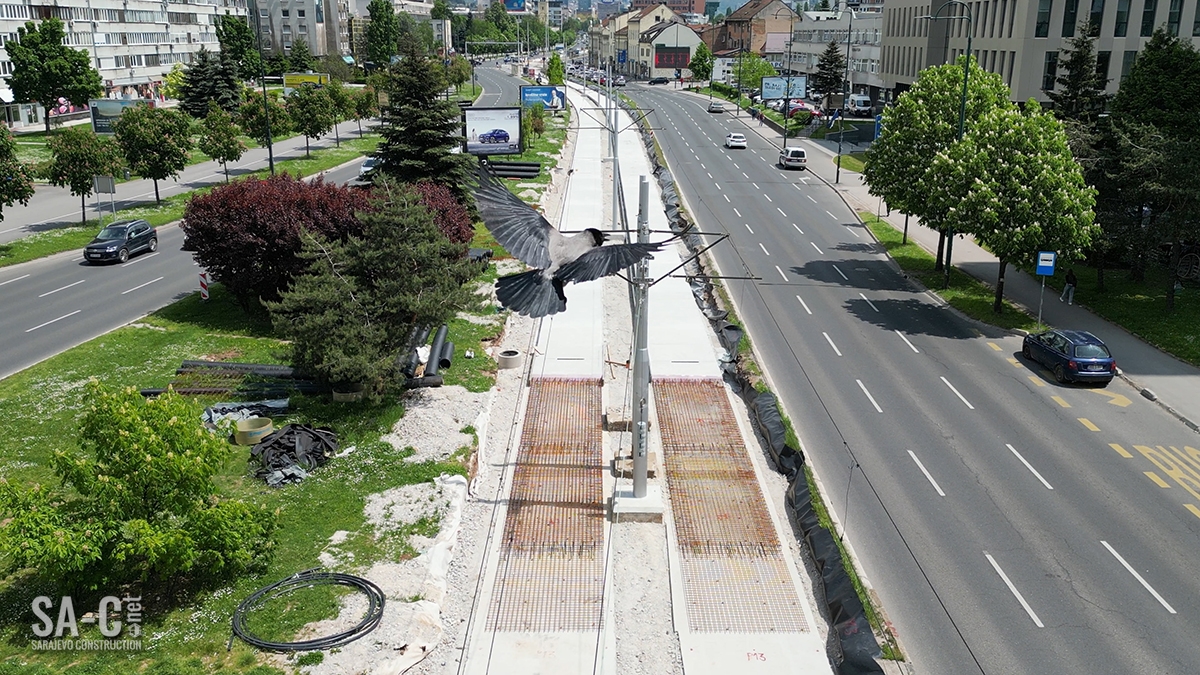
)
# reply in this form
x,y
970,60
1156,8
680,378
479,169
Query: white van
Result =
x,y
859,105
792,158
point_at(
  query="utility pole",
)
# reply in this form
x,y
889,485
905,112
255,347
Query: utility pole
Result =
x,y
262,69
641,354
845,96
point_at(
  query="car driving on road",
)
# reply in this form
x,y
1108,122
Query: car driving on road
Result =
x,y
658,80
1072,355
121,239
793,158
735,141
716,107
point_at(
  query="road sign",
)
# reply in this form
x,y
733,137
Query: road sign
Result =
x,y
1045,263
878,125
621,56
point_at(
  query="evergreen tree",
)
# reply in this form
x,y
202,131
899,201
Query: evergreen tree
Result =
x,y
219,139
277,64
419,128
211,77
556,72
350,314
45,68
383,33
300,59
1081,96
236,38
311,111
831,70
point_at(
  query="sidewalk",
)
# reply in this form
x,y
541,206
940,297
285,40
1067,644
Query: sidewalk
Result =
x,y
1158,376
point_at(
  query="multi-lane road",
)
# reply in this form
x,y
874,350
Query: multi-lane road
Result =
x,y
53,304
1008,524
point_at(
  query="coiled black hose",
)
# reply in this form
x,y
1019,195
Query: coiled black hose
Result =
x,y
307,579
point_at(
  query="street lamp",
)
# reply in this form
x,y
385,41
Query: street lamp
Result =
x,y
787,95
962,108
262,70
837,178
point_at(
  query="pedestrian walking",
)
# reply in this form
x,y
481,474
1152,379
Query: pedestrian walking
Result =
x,y
1069,290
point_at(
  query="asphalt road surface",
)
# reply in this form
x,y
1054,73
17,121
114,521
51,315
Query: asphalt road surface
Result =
x,y
54,208
998,514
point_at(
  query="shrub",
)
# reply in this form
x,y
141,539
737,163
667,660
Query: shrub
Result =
x,y
138,503
247,233
452,217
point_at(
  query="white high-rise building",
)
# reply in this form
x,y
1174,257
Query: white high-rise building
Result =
x,y
133,43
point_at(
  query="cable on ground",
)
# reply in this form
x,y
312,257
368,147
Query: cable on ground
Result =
x,y
308,579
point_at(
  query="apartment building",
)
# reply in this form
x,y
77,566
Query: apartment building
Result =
x,y
812,33
133,43
1022,40
323,24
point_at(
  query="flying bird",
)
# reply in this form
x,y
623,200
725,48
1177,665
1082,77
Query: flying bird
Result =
x,y
557,259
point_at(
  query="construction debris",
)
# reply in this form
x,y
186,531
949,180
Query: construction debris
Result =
x,y
289,454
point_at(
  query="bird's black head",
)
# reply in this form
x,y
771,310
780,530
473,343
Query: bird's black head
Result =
x,y
598,237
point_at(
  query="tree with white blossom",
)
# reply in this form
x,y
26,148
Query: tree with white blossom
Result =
x,y
1013,184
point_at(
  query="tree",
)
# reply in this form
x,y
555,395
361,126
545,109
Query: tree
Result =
x,y
701,64
277,64
46,69
336,68
1013,183
137,503
311,112
173,81
383,33
155,142
219,139
440,11
366,105
452,217
300,58
1081,96
752,69
77,155
419,128
556,72
831,70
265,216
19,186
922,124
350,313
236,38
256,120
342,105
211,77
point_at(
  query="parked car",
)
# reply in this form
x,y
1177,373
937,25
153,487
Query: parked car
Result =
x,y
494,136
1072,355
793,158
716,107
121,239
735,141
658,80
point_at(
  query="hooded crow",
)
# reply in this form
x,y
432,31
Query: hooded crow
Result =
x,y
557,259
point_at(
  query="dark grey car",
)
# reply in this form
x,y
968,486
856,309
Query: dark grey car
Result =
x,y
121,239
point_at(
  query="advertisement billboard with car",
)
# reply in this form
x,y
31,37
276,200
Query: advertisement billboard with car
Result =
x,y
492,131
554,97
777,87
106,110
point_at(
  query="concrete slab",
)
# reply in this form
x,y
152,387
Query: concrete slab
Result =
x,y
648,509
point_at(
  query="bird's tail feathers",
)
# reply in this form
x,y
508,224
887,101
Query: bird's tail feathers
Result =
x,y
531,294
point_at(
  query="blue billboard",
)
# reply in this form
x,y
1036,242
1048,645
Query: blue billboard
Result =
x,y
553,97
777,87
514,5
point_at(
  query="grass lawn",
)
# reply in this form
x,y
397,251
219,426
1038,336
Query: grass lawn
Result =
x,y
39,412
966,294
852,161
171,209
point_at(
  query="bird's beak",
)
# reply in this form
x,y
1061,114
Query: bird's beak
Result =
x,y
604,235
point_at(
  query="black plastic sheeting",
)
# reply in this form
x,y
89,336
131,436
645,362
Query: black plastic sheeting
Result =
x,y
855,639
289,453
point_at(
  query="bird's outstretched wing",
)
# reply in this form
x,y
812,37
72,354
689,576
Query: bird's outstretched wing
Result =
x,y
603,261
522,231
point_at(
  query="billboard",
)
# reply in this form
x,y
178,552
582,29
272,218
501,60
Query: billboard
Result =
x,y
293,80
514,5
672,57
492,131
777,87
554,97
105,110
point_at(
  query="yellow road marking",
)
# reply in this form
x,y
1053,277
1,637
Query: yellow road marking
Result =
x,y
1061,401
1037,380
1173,466
1158,481
1195,511
1120,451
994,346
1087,423
1113,399
1014,361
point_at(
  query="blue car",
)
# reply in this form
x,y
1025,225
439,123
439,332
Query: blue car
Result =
x,y
1072,355
494,136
